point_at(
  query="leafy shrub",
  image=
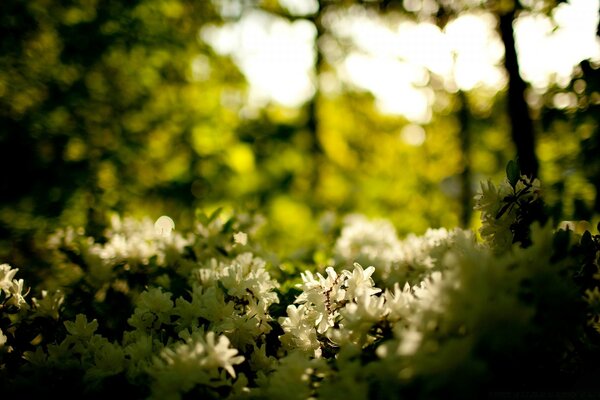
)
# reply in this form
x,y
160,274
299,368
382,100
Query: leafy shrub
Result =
x,y
150,312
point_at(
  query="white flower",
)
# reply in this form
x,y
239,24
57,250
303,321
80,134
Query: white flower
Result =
x,y
297,316
399,302
367,309
6,277
164,225
197,361
323,295
423,290
240,238
219,354
299,328
369,242
358,319
410,340
17,298
359,282
244,277
3,339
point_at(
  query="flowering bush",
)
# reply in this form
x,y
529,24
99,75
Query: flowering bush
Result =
x,y
146,311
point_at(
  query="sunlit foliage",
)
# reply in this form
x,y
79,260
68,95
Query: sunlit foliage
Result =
x,y
129,107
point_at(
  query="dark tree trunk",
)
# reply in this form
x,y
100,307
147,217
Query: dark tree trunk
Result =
x,y
313,105
520,121
312,108
465,147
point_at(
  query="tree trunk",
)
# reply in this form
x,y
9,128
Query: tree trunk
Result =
x,y
520,121
313,106
465,147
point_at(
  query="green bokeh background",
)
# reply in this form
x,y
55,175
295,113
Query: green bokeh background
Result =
x,y
100,112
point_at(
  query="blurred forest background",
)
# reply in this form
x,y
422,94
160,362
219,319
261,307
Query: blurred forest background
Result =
x,y
301,110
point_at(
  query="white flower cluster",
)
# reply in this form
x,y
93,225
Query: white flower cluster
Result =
x,y
194,357
135,242
192,339
234,296
421,330
229,301
194,362
367,242
202,316
375,242
11,288
14,307
11,293
337,310
130,244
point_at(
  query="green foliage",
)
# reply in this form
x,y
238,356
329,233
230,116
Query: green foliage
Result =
x,y
513,173
101,106
118,106
150,313
268,287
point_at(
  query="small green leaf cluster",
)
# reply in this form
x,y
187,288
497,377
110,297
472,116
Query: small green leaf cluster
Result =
x,y
509,210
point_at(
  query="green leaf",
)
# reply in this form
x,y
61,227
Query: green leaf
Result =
x,y
228,226
81,327
586,239
560,244
215,214
513,173
202,217
503,210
